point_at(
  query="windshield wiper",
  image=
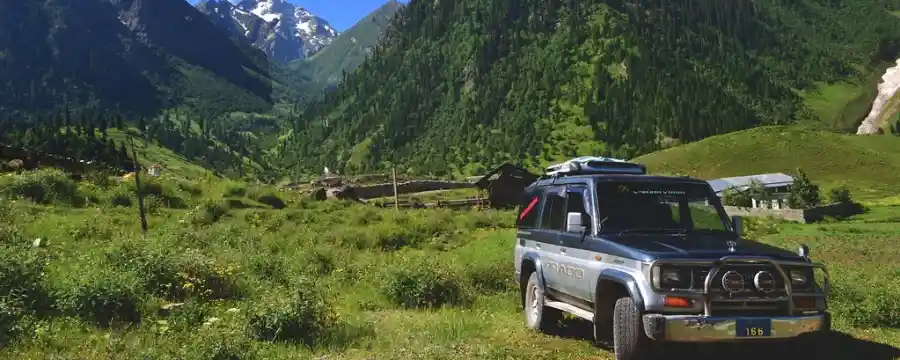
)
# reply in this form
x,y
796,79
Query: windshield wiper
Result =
x,y
652,230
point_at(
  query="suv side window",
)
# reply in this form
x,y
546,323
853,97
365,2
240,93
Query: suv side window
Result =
x,y
553,214
528,211
576,202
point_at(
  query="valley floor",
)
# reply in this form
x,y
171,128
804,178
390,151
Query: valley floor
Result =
x,y
332,280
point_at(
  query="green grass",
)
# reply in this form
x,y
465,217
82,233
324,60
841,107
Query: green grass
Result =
x,y
350,274
843,105
866,164
150,153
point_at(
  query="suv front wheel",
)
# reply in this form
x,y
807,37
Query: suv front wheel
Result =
x,y
537,315
629,339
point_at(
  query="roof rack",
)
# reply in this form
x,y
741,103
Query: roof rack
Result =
x,y
587,165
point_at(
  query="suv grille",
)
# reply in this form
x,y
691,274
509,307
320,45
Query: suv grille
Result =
x,y
743,281
744,290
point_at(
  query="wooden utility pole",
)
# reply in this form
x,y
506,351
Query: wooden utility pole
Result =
x,y
137,185
396,196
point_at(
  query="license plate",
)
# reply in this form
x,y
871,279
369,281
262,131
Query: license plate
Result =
x,y
753,328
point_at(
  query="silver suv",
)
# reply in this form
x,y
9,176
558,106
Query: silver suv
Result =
x,y
652,259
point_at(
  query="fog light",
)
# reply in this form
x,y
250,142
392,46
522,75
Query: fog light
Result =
x,y
677,302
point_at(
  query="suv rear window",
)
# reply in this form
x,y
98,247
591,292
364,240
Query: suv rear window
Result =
x,y
554,212
528,211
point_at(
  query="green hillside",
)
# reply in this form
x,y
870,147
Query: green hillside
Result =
x,y
868,165
457,87
326,68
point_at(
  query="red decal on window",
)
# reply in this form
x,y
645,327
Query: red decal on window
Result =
x,y
529,207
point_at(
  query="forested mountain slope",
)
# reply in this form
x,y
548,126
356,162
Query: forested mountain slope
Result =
x,y
461,85
131,56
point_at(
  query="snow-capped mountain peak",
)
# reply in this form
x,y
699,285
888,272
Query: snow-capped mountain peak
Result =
x,y
283,30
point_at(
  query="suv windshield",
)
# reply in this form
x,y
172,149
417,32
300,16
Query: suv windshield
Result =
x,y
644,206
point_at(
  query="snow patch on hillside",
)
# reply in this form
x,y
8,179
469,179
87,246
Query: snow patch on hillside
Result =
x,y
886,90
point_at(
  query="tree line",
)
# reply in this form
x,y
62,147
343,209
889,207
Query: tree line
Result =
x,y
85,135
459,87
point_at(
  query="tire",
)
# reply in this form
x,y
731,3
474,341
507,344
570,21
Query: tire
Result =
x,y
629,340
537,316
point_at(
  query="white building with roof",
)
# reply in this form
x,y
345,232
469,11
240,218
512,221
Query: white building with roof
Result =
x,y
778,184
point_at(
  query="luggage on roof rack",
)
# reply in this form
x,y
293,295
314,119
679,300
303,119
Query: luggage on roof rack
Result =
x,y
595,165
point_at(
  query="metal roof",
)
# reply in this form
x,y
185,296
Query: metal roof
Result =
x,y
742,182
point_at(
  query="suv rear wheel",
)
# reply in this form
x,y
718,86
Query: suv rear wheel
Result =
x,y
538,316
629,340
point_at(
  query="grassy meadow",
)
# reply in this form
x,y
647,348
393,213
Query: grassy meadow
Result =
x,y
867,165
232,271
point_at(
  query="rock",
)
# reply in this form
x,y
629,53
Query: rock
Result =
x,y
319,194
342,193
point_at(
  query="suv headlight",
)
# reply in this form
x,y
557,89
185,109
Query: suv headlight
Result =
x,y
800,277
665,278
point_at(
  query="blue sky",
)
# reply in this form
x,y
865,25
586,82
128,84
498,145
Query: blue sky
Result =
x,y
341,14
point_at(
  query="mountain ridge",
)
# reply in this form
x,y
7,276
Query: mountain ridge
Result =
x,y
284,31
348,51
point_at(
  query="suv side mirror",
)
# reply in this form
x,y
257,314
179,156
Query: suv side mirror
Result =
x,y
738,224
573,223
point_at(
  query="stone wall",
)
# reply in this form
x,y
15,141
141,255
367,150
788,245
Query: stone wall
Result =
x,y
415,186
799,215
786,214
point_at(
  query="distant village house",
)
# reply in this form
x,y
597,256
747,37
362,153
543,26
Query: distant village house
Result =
x,y
505,185
155,170
777,184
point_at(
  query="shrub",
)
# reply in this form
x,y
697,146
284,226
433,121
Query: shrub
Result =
x,y
304,318
208,212
270,198
268,267
200,276
44,186
735,197
176,275
220,348
21,272
11,316
121,196
21,289
6,207
804,193
867,307
420,283
189,187
489,277
319,262
234,189
100,178
188,316
841,195
165,192
105,297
